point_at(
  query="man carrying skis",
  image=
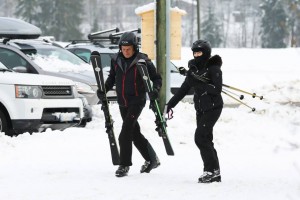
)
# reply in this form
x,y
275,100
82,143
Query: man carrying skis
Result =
x,y
205,77
131,97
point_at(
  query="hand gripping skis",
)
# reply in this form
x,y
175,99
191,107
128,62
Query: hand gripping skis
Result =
x,y
96,62
160,120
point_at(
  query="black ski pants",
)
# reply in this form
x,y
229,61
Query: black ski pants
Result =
x,y
204,138
131,133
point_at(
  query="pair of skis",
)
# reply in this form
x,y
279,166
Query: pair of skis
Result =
x,y
160,119
96,62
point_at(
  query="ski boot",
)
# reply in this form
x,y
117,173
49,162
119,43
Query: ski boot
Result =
x,y
153,163
209,177
122,171
149,165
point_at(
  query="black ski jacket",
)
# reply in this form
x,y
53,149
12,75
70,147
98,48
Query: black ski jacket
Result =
x,y
207,96
129,84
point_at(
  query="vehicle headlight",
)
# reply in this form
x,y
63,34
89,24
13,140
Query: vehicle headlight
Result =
x,y
84,88
28,91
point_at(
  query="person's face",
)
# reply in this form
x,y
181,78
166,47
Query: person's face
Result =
x,y
198,54
127,51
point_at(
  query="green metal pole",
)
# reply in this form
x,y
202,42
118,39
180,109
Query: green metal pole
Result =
x,y
161,48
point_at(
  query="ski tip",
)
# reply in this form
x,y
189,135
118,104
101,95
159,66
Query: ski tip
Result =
x,y
95,53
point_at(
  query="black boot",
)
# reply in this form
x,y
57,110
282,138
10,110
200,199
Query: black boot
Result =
x,y
149,165
209,177
153,163
122,171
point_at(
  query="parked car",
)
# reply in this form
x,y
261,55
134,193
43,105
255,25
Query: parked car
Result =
x,y
84,50
31,102
52,60
13,58
56,61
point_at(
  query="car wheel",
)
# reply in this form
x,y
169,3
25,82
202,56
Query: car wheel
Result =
x,y
82,123
3,122
4,127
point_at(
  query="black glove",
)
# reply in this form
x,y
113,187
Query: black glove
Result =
x,y
101,95
153,95
182,71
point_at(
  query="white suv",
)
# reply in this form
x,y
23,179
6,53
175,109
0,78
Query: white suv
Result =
x,y
31,102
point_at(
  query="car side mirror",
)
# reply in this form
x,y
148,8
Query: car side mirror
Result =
x,y
20,69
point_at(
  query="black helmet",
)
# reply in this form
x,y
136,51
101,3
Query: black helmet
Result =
x,y
128,39
201,45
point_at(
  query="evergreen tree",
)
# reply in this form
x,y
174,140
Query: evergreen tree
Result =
x,y
95,27
44,15
58,18
293,10
211,28
65,19
27,9
274,25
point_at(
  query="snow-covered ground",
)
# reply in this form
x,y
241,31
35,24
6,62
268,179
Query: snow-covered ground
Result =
x,y
258,151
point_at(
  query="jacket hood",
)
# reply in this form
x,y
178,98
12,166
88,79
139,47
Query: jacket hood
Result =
x,y
215,60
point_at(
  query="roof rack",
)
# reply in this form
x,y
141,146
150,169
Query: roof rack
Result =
x,y
138,30
95,34
112,39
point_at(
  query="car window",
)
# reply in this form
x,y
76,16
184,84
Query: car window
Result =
x,y
2,66
86,54
83,53
57,60
61,54
106,59
11,59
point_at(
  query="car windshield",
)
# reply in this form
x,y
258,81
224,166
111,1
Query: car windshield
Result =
x,y
57,60
85,53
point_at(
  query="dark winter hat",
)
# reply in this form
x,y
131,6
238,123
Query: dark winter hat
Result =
x,y
203,46
128,39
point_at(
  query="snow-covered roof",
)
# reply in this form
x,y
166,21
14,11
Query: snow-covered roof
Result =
x,y
152,6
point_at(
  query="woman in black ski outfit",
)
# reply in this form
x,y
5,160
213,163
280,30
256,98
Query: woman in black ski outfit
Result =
x,y
205,77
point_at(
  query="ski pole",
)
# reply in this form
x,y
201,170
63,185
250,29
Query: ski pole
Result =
x,y
204,79
253,109
240,96
237,89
